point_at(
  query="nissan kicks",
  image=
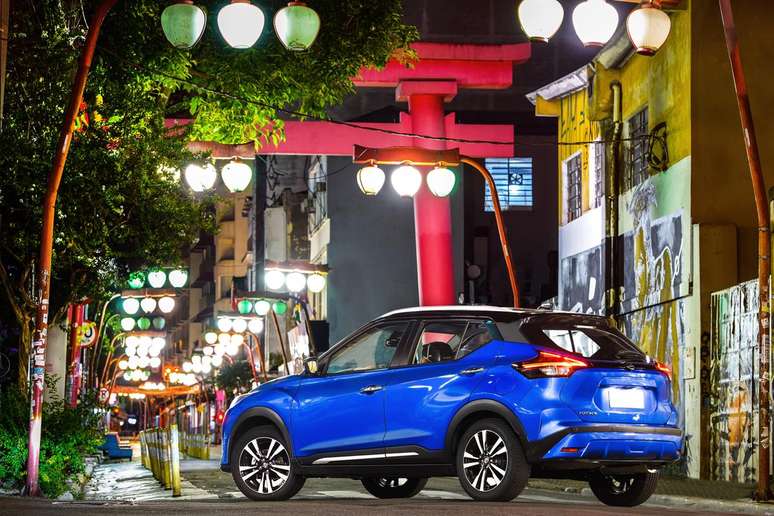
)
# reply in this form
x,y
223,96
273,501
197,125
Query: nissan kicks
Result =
x,y
490,395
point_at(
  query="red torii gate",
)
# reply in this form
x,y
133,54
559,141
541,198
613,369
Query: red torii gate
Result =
x,y
441,71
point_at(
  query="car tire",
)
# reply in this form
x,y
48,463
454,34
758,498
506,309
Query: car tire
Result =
x,y
623,490
490,462
393,487
261,465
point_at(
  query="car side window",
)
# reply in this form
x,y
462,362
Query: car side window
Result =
x,y
373,349
448,340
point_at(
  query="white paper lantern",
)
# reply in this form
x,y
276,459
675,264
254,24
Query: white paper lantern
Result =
x,y
241,23
274,279
595,22
406,180
540,19
648,29
295,281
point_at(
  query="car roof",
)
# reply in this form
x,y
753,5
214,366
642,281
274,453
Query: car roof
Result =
x,y
480,310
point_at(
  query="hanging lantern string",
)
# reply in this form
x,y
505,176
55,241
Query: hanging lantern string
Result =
x,y
355,125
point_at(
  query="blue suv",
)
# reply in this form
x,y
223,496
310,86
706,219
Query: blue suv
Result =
x,y
490,395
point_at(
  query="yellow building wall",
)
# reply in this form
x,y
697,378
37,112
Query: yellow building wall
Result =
x,y
575,125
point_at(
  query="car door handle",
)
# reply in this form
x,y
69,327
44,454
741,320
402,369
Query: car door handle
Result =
x,y
371,389
470,371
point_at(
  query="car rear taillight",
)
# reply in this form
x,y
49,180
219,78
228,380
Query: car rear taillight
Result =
x,y
665,369
547,364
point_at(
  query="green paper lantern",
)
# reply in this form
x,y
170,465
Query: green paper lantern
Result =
x,y
159,323
183,24
244,306
143,323
280,307
296,26
136,280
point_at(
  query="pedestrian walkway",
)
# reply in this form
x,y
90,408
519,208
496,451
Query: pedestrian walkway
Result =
x,y
130,481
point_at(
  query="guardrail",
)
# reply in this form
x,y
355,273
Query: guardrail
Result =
x,y
160,449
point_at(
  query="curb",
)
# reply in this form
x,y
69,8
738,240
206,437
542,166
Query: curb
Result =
x,y
741,505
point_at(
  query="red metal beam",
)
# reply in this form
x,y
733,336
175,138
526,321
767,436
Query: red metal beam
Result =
x,y
332,139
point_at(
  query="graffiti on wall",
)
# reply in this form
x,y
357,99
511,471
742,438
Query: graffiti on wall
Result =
x,y
733,383
583,282
651,309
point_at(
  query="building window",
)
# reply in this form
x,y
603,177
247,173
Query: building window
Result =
x,y
637,162
573,189
513,180
597,181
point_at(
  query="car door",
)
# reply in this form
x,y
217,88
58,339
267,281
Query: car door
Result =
x,y
443,365
342,409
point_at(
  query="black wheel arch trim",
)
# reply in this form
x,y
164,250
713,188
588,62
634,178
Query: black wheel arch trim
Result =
x,y
263,412
484,405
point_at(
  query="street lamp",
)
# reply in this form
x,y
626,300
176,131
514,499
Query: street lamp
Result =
x,y
241,23
648,28
370,179
296,26
183,24
595,22
406,180
440,181
200,177
428,157
166,304
540,19
236,175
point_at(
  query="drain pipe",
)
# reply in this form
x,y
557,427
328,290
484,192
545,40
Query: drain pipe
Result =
x,y
612,182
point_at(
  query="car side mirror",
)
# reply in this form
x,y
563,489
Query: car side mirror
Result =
x,y
311,366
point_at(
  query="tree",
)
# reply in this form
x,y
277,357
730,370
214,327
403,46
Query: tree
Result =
x,y
117,208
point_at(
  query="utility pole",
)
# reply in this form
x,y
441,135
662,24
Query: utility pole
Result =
x,y
763,492
40,338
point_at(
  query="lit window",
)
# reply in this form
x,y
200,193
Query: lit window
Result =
x,y
513,180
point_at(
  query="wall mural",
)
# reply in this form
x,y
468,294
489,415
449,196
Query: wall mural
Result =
x,y
733,380
583,282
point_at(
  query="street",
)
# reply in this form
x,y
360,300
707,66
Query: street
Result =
x,y
128,488
342,497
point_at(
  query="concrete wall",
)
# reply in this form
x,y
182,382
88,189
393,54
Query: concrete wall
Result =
x,y
371,251
724,194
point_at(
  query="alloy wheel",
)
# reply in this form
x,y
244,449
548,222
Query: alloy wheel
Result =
x,y
391,482
485,460
264,465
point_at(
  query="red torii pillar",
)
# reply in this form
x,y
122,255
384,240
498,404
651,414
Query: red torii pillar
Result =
x,y
441,71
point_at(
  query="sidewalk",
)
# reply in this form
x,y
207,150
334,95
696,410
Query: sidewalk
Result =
x,y
130,481
679,491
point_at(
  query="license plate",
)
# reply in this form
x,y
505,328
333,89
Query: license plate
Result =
x,y
626,398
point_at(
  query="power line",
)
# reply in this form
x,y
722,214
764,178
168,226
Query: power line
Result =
x,y
356,125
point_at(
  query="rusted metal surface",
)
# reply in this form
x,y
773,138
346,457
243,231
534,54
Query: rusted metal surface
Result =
x,y
763,491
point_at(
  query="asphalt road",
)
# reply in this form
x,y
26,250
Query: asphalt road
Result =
x,y
342,497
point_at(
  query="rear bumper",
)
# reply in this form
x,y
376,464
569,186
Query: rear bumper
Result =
x,y
610,444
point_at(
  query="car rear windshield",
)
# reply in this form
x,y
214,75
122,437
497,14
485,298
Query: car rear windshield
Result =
x,y
587,338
